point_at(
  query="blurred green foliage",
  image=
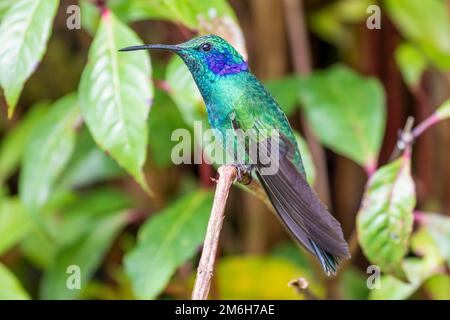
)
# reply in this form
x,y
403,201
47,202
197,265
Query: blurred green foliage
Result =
x,y
76,205
337,114
385,219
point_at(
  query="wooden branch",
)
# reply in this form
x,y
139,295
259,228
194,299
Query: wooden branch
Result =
x,y
301,286
227,175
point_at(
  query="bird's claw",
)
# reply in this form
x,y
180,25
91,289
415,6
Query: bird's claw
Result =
x,y
244,174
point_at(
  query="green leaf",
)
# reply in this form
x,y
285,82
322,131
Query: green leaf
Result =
x,y
80,213
417,271
165,118
259,277
10,287
423,245
212,16
88,164
420,269
47,152
285,92
166,241
385,220
24,32
188,13
427,24
392,289
335,22
412,63
38,248
443,112
90,16
87,254
5,5
439,228
13,144
346,112
85,209
184,92
84,236
115,94
306,158
14,223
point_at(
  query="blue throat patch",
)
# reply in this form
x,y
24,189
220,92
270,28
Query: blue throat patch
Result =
x,y
222,64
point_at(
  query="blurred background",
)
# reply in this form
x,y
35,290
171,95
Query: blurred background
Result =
x,y
75,224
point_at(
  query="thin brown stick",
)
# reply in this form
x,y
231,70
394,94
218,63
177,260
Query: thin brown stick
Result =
x,y
301,286
227,175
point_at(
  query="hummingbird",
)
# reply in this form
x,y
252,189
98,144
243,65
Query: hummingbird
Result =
x,y
237,101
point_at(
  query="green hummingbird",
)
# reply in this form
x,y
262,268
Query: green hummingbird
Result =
x,y
237,101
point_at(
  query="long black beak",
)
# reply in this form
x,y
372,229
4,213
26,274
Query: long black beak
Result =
x,y
173,48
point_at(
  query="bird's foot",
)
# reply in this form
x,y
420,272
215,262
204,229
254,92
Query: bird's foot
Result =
x,y
244,174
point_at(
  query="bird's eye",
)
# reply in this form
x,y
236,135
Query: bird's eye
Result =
x,y
206,47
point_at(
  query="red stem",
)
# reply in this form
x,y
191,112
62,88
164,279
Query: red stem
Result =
x,y
420,217
370,168
424,125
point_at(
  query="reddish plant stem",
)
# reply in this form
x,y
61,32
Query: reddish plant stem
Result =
x,y
420,217
425,124
370,168
101,5
163,85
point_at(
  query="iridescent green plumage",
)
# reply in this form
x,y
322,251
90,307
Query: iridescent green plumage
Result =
x,y
236,101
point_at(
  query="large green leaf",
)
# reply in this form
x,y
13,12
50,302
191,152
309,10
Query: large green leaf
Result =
x,y
24,32
47,152
87,253
335,22
90,16
38,248
13,144
259,277
115,95
14,223
184,92
285,92
425,23
346,112
83,237
439,229
392,289
188,13
412,63
165,118
210,16
88,164
385,219
5,5
166,241
417,270
10,287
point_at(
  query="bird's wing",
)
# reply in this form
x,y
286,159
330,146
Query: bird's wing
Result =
x,y
294,200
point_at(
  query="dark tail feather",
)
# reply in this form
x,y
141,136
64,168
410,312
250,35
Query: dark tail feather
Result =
x,y
305,216
328,261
